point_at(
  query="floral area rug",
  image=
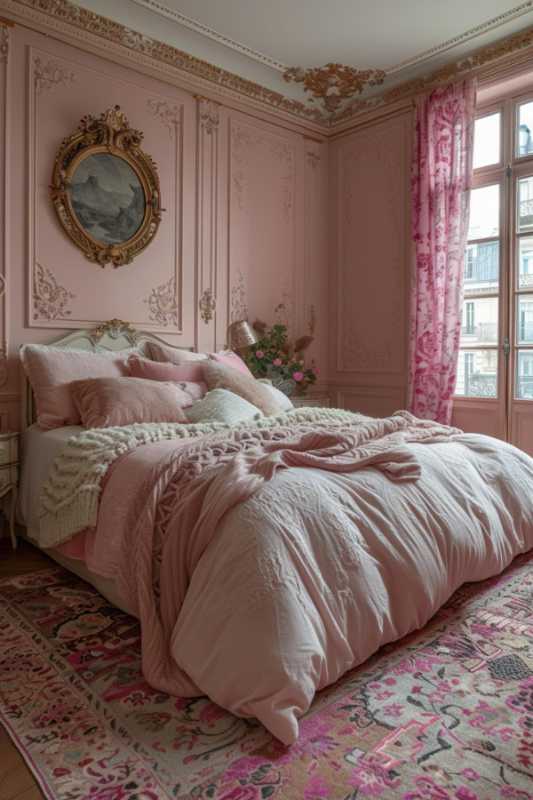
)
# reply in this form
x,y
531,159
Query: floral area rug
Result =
x,y
445,714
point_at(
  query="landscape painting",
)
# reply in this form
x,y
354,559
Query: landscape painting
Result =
x,y
107,198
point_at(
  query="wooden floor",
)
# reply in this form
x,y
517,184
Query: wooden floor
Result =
x,y
16,780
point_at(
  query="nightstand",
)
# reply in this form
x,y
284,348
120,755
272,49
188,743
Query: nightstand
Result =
x,y
9,459
312,399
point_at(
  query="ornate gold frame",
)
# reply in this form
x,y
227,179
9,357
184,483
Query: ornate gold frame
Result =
x,y
109,133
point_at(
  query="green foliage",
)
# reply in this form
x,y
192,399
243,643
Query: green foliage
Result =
x,y
274,357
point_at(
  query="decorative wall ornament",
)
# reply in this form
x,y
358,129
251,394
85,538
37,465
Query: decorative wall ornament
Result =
x,y
115,328
163,308
49,74
207,305
4,42
96,168
208,114
239,304
169,115
313,159
311,325
332,84
50,299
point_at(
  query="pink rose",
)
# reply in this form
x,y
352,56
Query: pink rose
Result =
x,y
315,370
277,362
259,354
297,376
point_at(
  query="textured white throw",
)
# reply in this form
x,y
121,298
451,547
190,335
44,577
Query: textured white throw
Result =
x,y
70,495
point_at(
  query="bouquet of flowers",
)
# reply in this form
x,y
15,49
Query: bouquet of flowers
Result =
x,y
274,357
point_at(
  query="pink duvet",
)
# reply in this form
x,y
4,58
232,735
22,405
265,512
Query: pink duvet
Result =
x,y
262,576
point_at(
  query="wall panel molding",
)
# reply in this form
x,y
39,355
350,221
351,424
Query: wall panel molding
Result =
x,y
4,188
208,121
266,217
54,301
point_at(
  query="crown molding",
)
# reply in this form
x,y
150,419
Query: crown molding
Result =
x,y
463,38
483,28
210,33
96,33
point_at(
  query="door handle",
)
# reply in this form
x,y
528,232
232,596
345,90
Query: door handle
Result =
x,y
506,347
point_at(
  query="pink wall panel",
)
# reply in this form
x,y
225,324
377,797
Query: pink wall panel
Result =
x,y
369,201
243,230
265,243
60,91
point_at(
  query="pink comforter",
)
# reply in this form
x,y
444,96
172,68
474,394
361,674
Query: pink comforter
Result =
x,y
264,568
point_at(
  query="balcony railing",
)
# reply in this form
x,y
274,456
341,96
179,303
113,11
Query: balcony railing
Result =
x,y
484,332
525,387
480,385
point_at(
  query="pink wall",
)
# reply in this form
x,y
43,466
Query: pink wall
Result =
x,y
371,258
245,215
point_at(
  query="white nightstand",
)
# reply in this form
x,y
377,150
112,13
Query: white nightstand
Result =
x,y
313,399
9,460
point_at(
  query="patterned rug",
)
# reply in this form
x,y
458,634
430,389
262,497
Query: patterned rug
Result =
x,y
445,714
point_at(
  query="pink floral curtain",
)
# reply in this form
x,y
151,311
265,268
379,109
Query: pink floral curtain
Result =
x,y
441,176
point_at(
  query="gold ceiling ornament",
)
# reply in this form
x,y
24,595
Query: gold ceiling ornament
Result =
x,y
105,189
334,83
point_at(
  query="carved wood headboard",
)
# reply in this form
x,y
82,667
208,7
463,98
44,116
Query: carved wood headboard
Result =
x,y
114,335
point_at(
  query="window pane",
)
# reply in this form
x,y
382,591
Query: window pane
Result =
x,y
525,128
477,373
524,375
487,141
480,321
484,212
482,267
524,319
525,204
525,263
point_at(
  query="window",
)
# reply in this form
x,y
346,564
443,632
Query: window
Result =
x,y
478,362
496,346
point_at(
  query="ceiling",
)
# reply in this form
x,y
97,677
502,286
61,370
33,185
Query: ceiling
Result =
x,y
259,40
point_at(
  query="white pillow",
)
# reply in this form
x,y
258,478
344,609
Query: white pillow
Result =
x,y
281,399
220,405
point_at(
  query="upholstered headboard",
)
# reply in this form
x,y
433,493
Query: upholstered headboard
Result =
x,y
113,335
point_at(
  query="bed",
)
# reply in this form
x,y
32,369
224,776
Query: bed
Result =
x,y
266,559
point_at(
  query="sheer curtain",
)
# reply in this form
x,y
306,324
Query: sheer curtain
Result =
x,y
441,177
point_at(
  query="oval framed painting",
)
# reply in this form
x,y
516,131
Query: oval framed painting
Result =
x,y
105,189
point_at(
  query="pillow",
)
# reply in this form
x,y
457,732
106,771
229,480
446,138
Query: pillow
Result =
x,y
230,359
220,405
159,352
195,390
106,402
280,397
164,371
217,376
50,371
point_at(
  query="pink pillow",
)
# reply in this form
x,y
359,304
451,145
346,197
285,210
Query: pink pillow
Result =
x,y
106,402
159,352
158,371
218,376
50,371
230,359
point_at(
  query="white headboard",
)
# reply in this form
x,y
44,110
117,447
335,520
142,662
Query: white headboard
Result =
x,y
113,335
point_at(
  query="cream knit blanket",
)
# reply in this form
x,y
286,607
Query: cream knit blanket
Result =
x,y
70,495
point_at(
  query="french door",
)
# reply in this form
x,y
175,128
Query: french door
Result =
x,y
494,392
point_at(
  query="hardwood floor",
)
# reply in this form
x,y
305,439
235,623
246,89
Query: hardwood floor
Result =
x,y
16,780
